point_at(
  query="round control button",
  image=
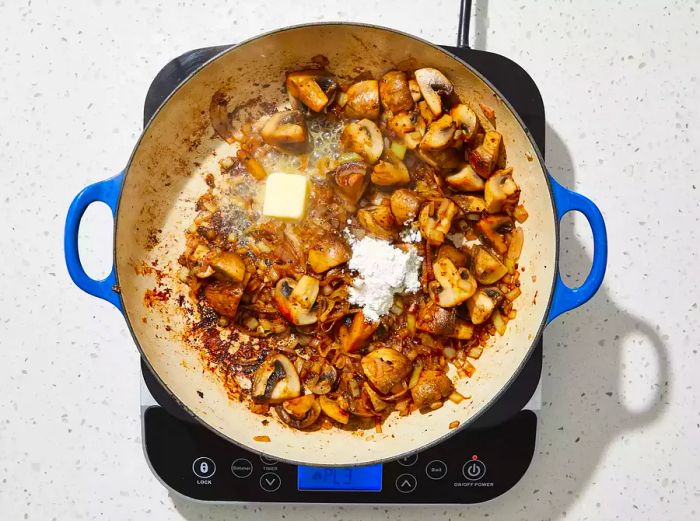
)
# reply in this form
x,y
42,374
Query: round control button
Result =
x,y
406,483
436,469
270,482
474,470
409,460
241,468
268,461
203,467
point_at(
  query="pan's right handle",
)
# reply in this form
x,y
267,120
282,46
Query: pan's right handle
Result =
x,y
465,16
106,191
565,298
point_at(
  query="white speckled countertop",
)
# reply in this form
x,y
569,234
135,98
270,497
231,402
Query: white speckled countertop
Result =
x,y
619,434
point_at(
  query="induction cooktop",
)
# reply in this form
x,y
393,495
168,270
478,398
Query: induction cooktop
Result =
x,y
477,464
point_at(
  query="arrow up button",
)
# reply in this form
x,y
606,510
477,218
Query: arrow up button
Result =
x,y
406,483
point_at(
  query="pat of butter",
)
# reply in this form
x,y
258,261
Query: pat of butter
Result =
x,y
286,196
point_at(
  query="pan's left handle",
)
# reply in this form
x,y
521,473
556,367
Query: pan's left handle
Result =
x,y
565,298
106,191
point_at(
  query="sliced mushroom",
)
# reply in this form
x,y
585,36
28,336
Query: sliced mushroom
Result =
x,y
224,297
329,252
403,123
515,247
230,265
457,283
333,410
415,90
446,159
463,330
363,100
457,256
275,380
432,388
351,179
466,120
364,138
493,229
389,174
385,367
290,412
482,304
286,130
487,268
405,205
470,203
294,300
466,180
378,221
319,375
359,332
501,192
436,319
395,92
439,134
433,84
314,88
435,220
378,404
484,157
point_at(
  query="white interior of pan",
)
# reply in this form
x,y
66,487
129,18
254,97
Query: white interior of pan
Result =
x,y
165,178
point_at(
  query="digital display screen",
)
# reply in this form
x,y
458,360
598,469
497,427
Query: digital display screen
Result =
x,y
366,479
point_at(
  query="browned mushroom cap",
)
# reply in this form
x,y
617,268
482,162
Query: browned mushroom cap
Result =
x,y
435,319
484,157
445,159
482,304
466,180
501,192
439,134
333,409
389,174
363,100
466,120
385,367
378,404
300,412
457,256
487,268
405,205
328,252
493,230
432,388
294,300
395,92
433,84
457,283
287,130
275,380
378,220
403,123
230,265
314,88
224,297
470,203
351,179
364,138
319,375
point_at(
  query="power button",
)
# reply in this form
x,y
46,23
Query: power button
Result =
x,y
474,469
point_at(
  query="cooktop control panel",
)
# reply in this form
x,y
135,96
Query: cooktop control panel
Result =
x,y
470,467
